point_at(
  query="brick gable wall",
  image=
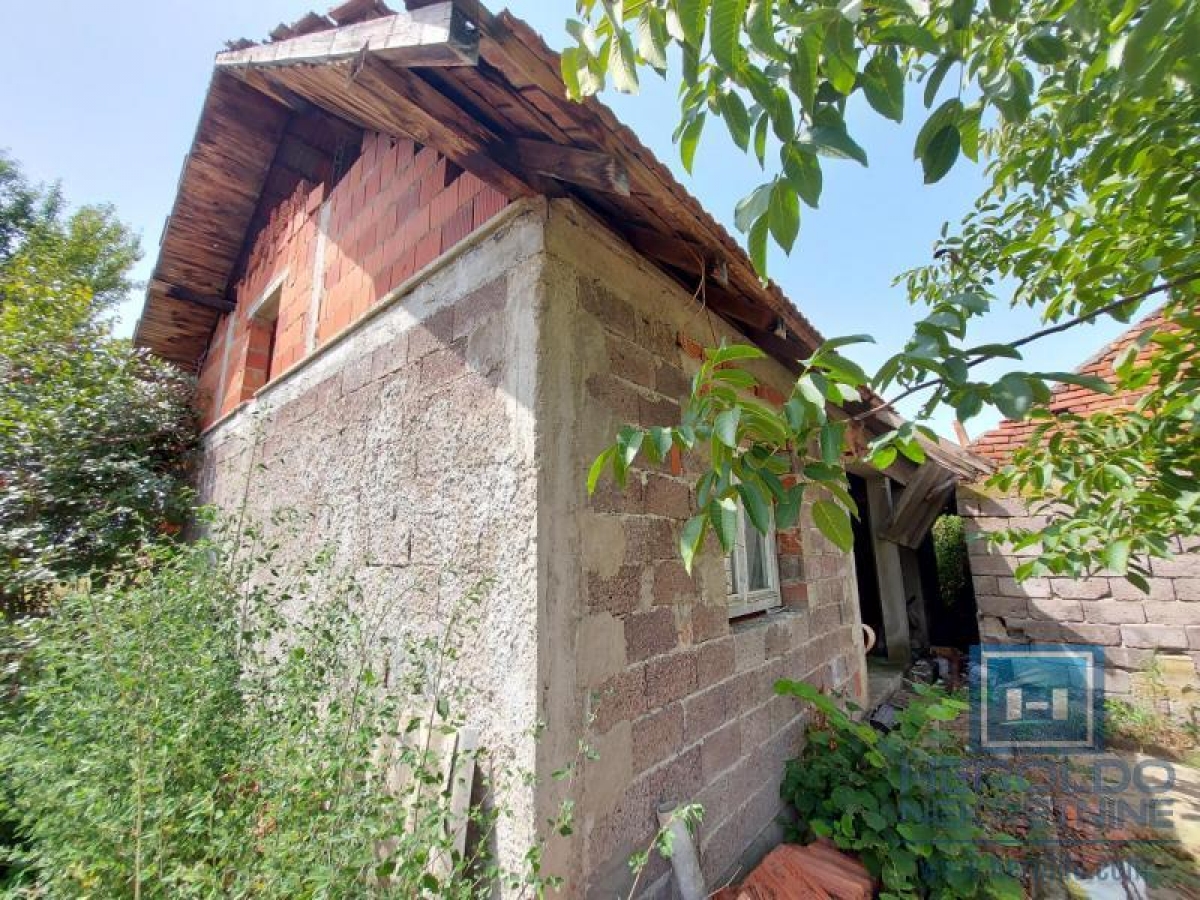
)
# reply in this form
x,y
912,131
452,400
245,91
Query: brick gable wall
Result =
x,y
398,208
999,444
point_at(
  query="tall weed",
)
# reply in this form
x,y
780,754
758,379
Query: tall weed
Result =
x,y
210,725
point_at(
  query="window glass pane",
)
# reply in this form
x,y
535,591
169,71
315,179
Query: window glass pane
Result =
x,y
756,569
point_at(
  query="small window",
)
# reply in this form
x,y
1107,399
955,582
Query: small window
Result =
x,y
263,326
751,570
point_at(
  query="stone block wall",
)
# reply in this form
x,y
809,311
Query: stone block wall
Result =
x,y
676,700
1143,634
333,254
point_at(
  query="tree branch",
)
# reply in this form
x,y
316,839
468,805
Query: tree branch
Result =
x,y
1036,336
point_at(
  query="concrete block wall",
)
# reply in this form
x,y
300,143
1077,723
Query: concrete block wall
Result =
x,y
398,208
1140,632
455,425
675,699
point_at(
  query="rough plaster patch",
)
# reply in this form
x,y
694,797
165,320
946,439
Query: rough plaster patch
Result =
x,y
603,544
599,648
606,777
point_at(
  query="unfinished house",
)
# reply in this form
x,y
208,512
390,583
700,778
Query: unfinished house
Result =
x,y
1151,641
421,289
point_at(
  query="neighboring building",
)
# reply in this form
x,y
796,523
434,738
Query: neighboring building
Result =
x,y
1152,641
421,289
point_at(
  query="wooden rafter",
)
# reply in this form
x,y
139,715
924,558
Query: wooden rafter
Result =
x,y
586,168
176,292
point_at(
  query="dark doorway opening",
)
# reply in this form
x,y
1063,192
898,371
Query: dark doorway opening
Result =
x,y
950,606
869,601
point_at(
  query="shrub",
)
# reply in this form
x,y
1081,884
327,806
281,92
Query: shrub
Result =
x,y
953,564
172,737
95,436
899,800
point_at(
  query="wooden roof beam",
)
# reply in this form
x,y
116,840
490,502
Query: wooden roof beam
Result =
x,y
371,94
677,253
586,168
176,292
743,310
436,35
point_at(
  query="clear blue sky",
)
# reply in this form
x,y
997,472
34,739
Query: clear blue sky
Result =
x,y
107,100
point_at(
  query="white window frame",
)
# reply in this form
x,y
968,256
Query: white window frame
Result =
x,y
743,601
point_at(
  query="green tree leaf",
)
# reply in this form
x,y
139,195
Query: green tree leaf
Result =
x,y
725,427
834,522
841,57
883,85
723,517
1013,396
1116,556
601,463
726,31
757,506
689,141
736,117
803,171
753,207
691,538
1045,47
804,68
784,215
692,16
908,36
758,245
832,140
940,154
622,64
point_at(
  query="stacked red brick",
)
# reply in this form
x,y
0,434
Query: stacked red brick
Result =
x,y
397,209
818,871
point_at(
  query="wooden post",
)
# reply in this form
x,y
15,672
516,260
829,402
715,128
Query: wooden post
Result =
x,y
889,571
914,589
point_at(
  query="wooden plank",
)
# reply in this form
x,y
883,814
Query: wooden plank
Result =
x,y
176,331
586,168
462,778
487,87
788,351
919,506
220,185
437,35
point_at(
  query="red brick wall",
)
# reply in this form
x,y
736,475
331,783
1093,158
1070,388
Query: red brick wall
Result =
x,y
398,208
999,444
